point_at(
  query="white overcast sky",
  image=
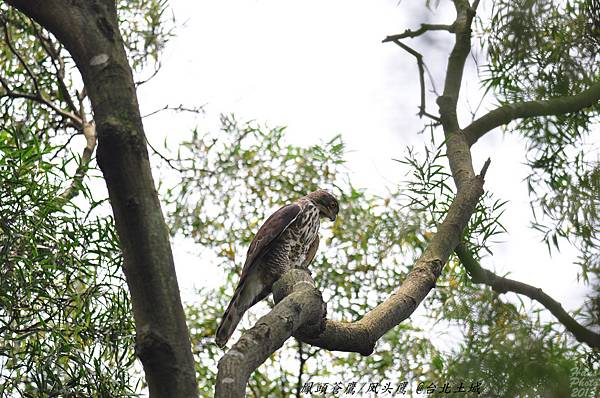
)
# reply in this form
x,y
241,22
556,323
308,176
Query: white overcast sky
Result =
x,y
319,67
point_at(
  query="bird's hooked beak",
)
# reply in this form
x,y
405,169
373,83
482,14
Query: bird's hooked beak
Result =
x,y
326,212
331,214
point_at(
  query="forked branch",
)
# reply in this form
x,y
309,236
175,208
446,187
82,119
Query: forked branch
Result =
x,y
40,99
299,303
509,112
409,34
504,285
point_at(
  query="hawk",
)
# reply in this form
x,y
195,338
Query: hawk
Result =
x,y
288,239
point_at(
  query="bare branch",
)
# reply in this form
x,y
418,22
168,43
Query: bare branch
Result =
x,y
59,66
509,112
179,108
301,363
503,285
41,99
12,48
157,69
433,88
81,97
485,167
423,29
6,87
62,147
421,66
456,64
89,131
301,305
164,158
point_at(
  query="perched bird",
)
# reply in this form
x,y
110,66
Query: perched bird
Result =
x,y
288,239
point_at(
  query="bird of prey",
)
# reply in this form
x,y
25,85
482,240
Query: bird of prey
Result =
x,y
288,239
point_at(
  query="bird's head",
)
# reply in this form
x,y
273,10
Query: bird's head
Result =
x,y
325,202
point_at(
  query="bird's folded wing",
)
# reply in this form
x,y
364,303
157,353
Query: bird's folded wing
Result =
x,y
268,233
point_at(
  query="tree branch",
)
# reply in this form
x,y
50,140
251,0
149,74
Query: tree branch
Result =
x,y
301,363
299,303
423,29
361,336
177,109
11,47
39,98
509,112
459,154
79,122
59,67
421,66
89,132
503,285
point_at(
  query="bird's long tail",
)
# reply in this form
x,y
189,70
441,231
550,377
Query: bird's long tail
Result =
x,y
248,293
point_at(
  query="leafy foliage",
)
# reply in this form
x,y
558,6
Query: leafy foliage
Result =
x,y
38,76
65,316
509,354
146,28
33,63
540,50
429,193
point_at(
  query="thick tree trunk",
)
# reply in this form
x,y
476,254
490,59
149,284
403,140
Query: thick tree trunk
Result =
x,y
89,30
